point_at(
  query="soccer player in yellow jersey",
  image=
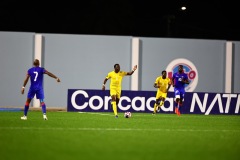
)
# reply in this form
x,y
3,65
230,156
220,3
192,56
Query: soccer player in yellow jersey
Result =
x,y
163,83
116,85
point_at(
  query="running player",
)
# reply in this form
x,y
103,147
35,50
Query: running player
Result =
x,y
179,80
162,83
116,85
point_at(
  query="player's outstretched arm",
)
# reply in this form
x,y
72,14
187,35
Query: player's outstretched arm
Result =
x,y
52,75
134,69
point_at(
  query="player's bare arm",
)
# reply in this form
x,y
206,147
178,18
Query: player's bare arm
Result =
x,y
25,83
173,82
52,75
169,85
104,83
134,69
185,81
155,85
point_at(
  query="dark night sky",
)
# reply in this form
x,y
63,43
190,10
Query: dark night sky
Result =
x,y
213,19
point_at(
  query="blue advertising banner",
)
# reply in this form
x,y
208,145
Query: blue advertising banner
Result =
x,y
82,100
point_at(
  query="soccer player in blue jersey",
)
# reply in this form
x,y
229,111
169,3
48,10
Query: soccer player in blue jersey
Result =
x,y
116,77
179,80
36,88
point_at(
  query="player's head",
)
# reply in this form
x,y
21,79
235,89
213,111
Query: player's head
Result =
x,y
180,68
116,67
164,74
36,62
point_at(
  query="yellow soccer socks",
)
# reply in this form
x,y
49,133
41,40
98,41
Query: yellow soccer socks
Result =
x,y
114,106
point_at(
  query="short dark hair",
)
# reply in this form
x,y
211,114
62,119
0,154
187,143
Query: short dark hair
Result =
x,y
115,65
164,71
36,62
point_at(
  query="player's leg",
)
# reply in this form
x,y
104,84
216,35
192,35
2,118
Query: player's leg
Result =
x,y
118,95
177,99
44,109
26,108
114,105
40,96
181,102
113,94
162,98
31,94
156,106
117,100
177,105
162,102
180,106
157,102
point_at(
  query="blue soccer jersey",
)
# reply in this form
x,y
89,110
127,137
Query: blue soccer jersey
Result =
x,y
36,76
179,86
178,78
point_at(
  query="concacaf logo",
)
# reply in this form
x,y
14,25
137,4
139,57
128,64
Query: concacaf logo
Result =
x,y
188,68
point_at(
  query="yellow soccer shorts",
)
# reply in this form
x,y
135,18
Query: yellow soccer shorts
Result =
x,y
115,91
161,94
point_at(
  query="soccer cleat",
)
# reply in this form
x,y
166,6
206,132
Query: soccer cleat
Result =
x,y
116,116
178,113
153,113
24,118
45,117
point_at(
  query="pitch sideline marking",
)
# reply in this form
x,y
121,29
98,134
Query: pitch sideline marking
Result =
x,y
102,114
116,129
161,115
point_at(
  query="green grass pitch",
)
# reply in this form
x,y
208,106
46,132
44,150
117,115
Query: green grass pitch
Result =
x,y
101,136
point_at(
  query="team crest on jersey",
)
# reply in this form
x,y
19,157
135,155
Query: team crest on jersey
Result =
x,y
189,68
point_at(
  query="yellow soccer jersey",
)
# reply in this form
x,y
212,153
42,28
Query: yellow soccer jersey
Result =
x,y
163,83
116,78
